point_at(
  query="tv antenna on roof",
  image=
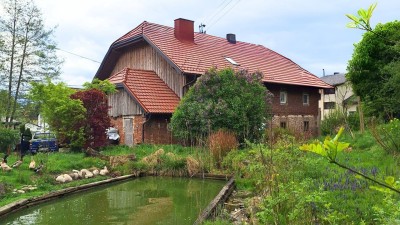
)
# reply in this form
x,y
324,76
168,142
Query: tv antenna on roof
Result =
x,y
201,28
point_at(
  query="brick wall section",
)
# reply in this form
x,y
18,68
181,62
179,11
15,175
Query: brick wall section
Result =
x,y
156,130
118,123
137,129
294,112
294,105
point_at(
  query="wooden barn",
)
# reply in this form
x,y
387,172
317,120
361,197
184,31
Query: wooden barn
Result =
x,y
153,66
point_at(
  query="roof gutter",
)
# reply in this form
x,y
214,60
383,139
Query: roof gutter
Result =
x,y
191,82
116,46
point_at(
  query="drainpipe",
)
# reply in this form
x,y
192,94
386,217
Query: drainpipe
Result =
x,y
144,123
191,82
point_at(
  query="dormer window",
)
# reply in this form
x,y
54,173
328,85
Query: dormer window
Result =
x,y
232,61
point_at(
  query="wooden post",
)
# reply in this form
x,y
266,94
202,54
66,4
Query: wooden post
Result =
x,y
360,112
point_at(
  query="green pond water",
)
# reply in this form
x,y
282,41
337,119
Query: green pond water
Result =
x,y
148,200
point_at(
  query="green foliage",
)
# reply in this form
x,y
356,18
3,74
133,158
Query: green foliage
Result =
x,y
293,204
336,119
299,188
374,70
103,85
281,138
363,141
8,139
64,115
362,21
329,148
224,99
3,102
388,212
25,53
387,135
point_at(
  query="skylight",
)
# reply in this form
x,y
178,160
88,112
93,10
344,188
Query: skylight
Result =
x,y
232,61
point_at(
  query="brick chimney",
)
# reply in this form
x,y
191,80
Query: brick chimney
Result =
x,y
184,30
231,38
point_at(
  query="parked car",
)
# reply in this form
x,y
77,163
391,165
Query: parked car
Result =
x,y
43,142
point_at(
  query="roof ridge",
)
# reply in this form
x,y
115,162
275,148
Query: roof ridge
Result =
x,y
210,50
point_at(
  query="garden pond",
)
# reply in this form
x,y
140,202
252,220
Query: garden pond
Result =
x,y
147,200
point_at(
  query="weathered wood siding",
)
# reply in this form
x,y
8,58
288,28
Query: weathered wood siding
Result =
x,y
145,57
122,104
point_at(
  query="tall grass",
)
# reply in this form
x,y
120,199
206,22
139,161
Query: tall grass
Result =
x,y
220,143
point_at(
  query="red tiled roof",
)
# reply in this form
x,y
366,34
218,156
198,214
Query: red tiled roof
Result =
x,y
208,51
148,89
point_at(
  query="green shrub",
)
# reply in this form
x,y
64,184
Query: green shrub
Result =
x,y
388,136
336,119
8,139
294,203
353,120
223,99
388,212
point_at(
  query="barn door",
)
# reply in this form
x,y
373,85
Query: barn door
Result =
x,y
128,131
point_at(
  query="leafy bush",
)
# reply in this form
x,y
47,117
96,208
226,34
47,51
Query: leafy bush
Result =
x,y
96,119
336,119
64,115
292,204
224,99
220,143
8,139
388,136
280,137
388,212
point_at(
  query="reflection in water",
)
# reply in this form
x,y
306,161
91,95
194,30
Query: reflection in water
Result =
x,y
148,200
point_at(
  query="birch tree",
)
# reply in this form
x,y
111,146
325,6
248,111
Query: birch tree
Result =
x,y
28,52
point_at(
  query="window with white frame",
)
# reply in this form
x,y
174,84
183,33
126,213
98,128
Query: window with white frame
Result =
x,y
283,97
306,99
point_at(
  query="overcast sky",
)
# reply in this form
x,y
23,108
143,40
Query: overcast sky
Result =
x,y
312,33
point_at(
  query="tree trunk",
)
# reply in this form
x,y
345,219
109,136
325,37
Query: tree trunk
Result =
x,y
21,69
9,97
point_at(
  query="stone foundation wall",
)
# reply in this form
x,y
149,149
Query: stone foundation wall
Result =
x,y
297,124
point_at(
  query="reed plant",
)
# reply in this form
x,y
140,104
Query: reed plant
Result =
x,y
220,144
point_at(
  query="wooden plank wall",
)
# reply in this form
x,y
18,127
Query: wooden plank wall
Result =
x,y
121,103
144,57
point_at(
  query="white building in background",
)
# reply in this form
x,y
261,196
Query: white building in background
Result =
x,y
341,97
44,127
33,127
